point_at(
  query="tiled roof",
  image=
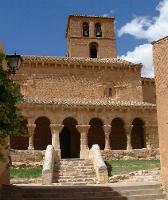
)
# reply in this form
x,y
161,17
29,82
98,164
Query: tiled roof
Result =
x,y
88,102
79,60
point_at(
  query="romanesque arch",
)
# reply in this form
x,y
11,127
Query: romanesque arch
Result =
x,y
118,138
137,134
42,135
20,142
96,133
70,139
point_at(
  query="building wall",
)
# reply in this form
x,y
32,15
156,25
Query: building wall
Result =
x,y
149,90
84,82
78,46
160,52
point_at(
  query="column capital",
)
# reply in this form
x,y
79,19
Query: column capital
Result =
x,y
31,128
56,127
107,128
83,128
128,125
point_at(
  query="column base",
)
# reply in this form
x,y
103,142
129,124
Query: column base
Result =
x,y
129,148
58,153
107,149
148,146
84,153
30,148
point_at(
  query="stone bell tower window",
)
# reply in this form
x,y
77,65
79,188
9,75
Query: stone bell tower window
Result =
x,y
98,30
85,26
93,50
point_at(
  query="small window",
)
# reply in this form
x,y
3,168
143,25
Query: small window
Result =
x,y
93,50
110,92
98,31
85,29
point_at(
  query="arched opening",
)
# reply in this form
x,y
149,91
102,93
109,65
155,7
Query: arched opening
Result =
x,y
96,133
70,139
42,135
110,92
20,142
98,30
85,27
93,50
118,138
137,134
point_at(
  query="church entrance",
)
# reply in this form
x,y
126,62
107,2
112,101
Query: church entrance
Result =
x,y
70,139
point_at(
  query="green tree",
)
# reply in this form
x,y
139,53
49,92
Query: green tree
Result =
x,y
10,118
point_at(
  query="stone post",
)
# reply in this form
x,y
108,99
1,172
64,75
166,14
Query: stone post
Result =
x,y
84,150
128,130
107,131
55,130
31,128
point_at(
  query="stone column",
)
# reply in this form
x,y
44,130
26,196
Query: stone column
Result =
x,y
55,130
128,130
31,128
107,131
84,150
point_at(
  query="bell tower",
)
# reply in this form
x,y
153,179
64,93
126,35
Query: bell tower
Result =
x,y
91,37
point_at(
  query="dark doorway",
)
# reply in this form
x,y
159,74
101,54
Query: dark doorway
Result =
x,y
137,134
70,139
118,138
42,136
96,133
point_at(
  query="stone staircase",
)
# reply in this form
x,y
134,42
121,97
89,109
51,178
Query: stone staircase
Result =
x,y
151,191
74,172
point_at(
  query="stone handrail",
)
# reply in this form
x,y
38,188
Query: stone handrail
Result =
x,y
99,165
48,165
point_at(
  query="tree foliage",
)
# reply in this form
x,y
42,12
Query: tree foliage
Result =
x,y
10,118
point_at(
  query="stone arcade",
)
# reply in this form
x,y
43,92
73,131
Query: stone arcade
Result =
x,y
88,97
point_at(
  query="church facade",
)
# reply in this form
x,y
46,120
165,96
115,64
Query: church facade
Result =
x,y
87,97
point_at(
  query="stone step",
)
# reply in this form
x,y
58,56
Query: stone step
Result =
x,y
74,171
141,191
95,192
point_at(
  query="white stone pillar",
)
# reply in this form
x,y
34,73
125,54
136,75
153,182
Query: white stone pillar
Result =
x,y
107,131
128,130
31,128
83,129
55,130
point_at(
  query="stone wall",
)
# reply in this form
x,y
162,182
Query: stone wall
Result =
x,y
136,154
160,52
27,158
42,80
149,90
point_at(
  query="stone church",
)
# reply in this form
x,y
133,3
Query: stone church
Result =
x,y
88,97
